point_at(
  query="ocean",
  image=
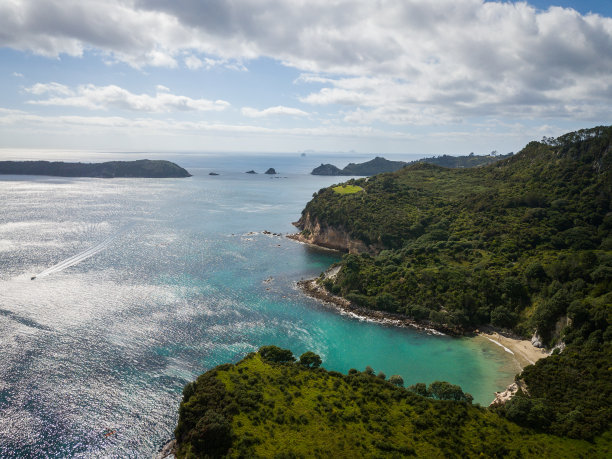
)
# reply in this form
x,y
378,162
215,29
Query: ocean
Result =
x,y
143,284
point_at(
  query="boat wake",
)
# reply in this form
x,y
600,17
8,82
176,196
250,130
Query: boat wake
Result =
x,y
79,257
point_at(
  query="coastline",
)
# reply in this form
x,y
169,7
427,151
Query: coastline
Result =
x,y
523,352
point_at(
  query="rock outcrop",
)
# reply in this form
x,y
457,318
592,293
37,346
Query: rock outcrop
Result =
x,y
313,232
270,171
501,398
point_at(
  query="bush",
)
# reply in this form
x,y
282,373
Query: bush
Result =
x,y
310,359
276,354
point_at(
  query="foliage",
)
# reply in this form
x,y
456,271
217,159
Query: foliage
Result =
x,y
570,393
514,243
347,189
524,244
287,410
276,354
310,359
379,165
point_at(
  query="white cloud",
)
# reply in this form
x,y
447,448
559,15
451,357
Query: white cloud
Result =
x,y
49,88
446,59
193,63
272,111
18,75
94,97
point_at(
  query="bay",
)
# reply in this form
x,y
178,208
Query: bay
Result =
x,y
142,284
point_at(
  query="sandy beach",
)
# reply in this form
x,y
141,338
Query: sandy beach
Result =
x,y
523,351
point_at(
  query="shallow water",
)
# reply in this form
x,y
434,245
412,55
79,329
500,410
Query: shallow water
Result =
x,y
95,353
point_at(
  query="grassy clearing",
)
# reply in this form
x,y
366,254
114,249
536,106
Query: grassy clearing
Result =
x,y
347,189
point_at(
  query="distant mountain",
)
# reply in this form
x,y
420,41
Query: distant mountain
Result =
x,y
372,167
144,168
379,165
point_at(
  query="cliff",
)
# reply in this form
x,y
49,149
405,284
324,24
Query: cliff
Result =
x,y
143,168
331,237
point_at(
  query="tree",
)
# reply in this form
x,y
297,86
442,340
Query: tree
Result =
x,y
369,370
276,354
310,359
397,380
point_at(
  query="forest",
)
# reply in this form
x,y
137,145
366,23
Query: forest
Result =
x,y
271,404
524,244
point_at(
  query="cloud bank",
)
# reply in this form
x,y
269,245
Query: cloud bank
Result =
x,y
399,62
113,97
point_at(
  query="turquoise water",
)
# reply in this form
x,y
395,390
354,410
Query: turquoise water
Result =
x,y
164,280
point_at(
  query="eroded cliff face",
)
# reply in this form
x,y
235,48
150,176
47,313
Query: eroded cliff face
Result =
x,y
313,232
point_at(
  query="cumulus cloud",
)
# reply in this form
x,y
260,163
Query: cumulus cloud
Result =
x,y
94,97
444,59
193,63
272,111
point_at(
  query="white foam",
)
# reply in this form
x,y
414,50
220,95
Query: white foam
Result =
x,y
501,345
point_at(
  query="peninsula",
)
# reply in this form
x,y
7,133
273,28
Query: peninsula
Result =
x,y
144,168
523,244
379,165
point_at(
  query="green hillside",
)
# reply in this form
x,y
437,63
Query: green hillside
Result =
x,y
268,406
521,243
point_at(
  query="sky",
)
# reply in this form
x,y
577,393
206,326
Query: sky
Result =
x,y
380,76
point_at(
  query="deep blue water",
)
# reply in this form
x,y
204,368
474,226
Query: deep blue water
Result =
x,y
178,278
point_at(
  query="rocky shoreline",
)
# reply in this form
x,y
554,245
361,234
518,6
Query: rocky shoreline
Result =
x,y
311,288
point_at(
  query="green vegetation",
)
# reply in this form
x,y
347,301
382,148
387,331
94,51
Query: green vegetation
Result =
x,y
347,189
520,244
379,165
523,244
139,168
262,407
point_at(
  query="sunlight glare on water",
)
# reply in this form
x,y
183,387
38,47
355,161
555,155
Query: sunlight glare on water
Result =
x,y
148,283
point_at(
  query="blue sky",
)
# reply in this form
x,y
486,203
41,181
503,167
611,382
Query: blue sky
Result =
x,y
394,76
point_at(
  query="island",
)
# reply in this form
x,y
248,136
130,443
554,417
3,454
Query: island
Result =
x,y
522,246
270,171
143,168
213,173
251,172
380,165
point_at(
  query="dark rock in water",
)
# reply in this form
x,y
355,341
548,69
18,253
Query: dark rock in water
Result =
x,y
251,172
142,168
326,169
212,173
303,154
271,171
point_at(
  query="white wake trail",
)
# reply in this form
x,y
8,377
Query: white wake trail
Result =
x,y
81,256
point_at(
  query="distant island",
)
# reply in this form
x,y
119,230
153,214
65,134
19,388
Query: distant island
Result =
x,y
142,168
270,171
379,165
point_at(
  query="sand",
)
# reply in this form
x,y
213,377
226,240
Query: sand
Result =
x,y
522,350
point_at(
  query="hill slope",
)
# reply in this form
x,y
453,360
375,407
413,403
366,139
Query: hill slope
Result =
x,y
140,168
512,244
379,165
523,244
265,408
